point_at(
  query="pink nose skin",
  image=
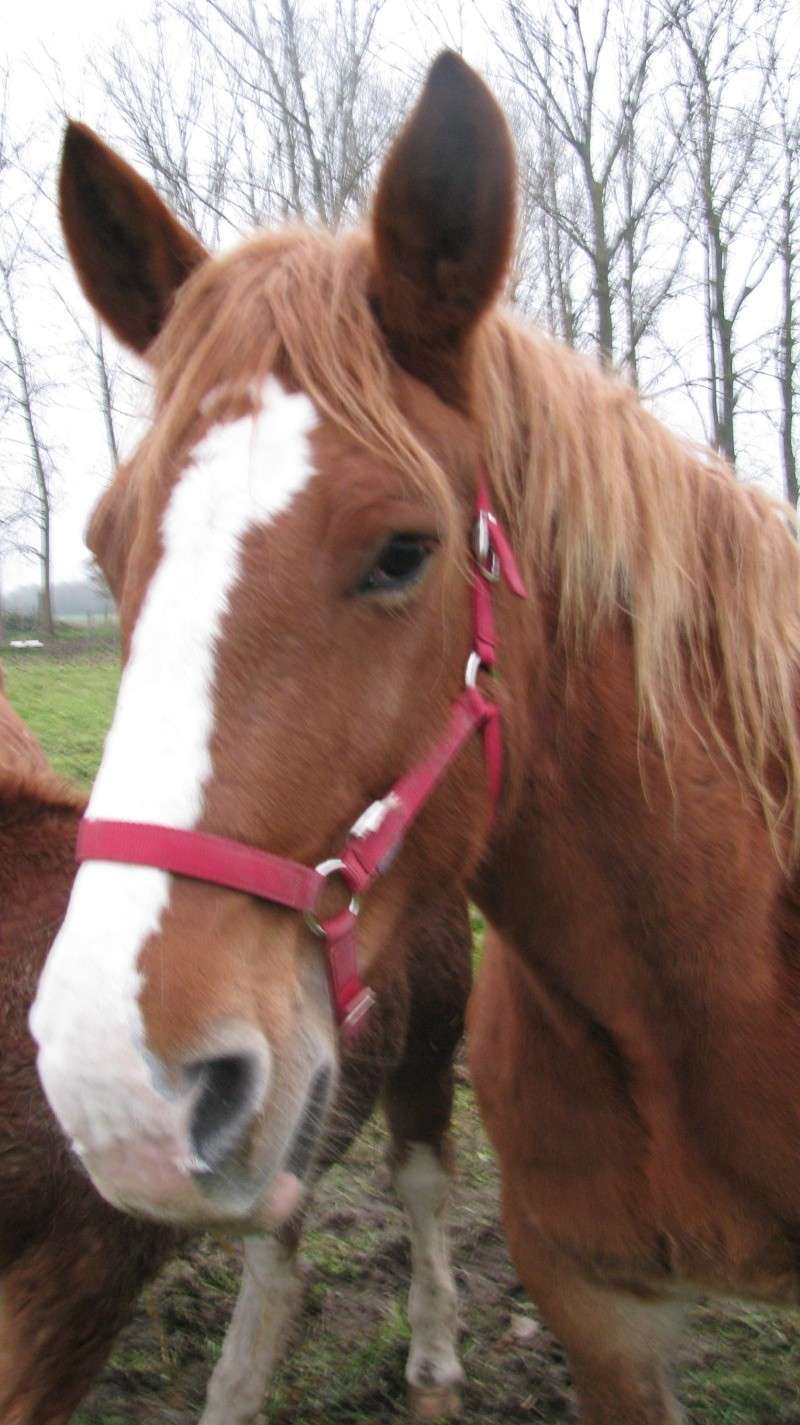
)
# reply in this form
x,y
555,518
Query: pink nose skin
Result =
x,y
209,1143
153,1179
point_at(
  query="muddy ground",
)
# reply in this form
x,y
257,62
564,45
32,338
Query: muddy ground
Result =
x,y
345,1362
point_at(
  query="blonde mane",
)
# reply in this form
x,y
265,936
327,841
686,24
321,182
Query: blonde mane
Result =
x,y
600,498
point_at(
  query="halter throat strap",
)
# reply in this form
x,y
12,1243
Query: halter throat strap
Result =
x,y
375,838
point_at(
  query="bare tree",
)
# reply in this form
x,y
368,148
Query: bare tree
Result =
x,y
788,247
784,81
107,372
546,275
24,387
97,581
310,96
587,72
176,121
724,94
36,501
244,112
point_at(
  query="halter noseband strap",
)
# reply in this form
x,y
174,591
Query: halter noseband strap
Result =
x,y
374,839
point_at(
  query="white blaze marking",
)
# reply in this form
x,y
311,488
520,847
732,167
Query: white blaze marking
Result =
x,y
156,764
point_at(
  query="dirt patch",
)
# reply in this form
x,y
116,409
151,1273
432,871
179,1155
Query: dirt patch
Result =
x,y
347,1356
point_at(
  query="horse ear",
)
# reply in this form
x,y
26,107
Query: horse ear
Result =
x,y
443,225
130,254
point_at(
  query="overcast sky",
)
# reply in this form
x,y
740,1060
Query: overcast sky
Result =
x,y
45,38
35,32
67,31
38,37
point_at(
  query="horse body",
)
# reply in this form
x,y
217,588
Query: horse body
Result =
x,y
634,1036
635,1031
643,946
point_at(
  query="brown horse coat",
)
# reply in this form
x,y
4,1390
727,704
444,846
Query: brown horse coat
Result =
x,y
636,1028
71,1266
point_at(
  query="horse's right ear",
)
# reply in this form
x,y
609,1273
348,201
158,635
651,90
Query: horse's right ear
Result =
x,y
131,255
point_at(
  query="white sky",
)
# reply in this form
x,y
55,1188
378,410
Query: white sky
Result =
x,y
35,32
39,35
66,30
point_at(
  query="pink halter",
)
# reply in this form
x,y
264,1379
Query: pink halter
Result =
x,y
374,838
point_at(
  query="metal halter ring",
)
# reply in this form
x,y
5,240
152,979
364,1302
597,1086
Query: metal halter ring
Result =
x,y
473,668
327,869
485,553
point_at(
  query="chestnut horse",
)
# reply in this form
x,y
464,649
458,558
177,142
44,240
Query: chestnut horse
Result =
x,y
71,1266
291,550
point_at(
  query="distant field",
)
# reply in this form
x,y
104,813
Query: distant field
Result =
x,y
739,1366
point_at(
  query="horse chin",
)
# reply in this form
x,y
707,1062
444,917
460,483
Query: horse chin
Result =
x,y
250,1207
155,1184
257,1190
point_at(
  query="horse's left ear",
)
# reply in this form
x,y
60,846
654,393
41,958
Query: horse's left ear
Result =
x,y
444,225
129,253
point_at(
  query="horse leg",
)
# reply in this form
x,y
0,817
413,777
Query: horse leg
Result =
x,y
271,1288
433,1370
62,1303
269,1296
617,1340
418,1100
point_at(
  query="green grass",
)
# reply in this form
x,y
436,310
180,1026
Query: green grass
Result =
x,y
67,701
738,1365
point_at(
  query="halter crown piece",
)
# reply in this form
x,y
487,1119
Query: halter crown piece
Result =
x,y
374,838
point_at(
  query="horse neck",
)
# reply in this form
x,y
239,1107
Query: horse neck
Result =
x,y
612,861
589,810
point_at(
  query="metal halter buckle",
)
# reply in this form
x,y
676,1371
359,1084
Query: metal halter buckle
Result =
x,y
326,869
483,548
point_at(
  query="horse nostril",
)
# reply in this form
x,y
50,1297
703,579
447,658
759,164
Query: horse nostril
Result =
x,y
230,1089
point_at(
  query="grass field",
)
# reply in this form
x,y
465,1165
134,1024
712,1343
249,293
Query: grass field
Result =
x,y
67,700
739,1366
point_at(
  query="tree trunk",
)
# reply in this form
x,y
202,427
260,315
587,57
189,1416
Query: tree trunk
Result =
x,y
43,497
602,275
787,359
45,596
720,335
630,319
629,257
105,394
40,473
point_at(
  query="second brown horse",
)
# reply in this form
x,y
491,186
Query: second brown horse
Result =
x,y
71,1266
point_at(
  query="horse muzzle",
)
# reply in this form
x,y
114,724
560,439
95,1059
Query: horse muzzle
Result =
x,y
222,1138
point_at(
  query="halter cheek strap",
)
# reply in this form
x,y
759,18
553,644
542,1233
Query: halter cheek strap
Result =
x,y
374,839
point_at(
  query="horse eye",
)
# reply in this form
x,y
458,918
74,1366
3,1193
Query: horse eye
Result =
x,y
399,564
